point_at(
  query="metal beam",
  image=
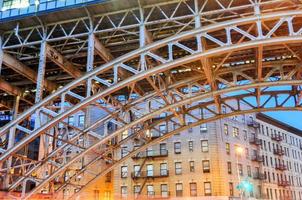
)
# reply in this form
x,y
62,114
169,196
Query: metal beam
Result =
x,y
62,62
26,71
101,50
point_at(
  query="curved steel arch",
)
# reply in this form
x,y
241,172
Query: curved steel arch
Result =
x,y
295,106
141,73
288,15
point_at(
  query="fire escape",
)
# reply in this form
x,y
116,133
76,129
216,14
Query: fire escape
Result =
x,y
141,176
280,165
256,156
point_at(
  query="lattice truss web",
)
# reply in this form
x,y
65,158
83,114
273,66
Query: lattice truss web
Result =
x,y
201,71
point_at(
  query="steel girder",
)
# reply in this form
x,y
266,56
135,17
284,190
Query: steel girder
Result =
x,y
176,101
122,27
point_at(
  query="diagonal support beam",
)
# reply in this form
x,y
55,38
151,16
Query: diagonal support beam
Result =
x,y
102,51
62,62
12,90
27,72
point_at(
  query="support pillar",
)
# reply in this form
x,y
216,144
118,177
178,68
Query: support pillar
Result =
x,y
1,55
11,139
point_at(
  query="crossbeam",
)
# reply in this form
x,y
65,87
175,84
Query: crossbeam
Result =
x,y
62,62
26,71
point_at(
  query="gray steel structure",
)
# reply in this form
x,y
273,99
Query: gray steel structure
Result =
x,y
174,56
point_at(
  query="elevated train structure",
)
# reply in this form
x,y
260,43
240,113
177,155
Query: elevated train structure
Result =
x,y
133,61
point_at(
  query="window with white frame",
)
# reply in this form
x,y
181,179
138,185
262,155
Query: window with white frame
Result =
x,y
178,168
206,166
207,189
179,189
164,190
124,191
177,147
81,120
193,189
150,191
191,146
124,172
235,132
204,146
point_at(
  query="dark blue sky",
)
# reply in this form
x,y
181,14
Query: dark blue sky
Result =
x,y
293,118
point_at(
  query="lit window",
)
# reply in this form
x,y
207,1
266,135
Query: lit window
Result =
x,y
227,148
226,129
81,120
178,168
191,146
177,147
235,132
164,190
193,189
192,166
207,189
204,146
124,134
206,166
124,172
124,191
178,189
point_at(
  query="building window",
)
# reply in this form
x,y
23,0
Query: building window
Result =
x,y
226,129
124,134
71,120
191,146
190,130
227,148
229,167
249,171
244,134
235,132
124,151
193,189
137,170
81,120
178,189
206,166
124,172
231,188
177,147
163,149
150,191
124,191
203,128
207,189
136,190
150,170
164,190
204,146
178,168
240,169
192,166
164,169
162,129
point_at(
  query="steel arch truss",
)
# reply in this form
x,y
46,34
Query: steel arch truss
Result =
x,y
177,76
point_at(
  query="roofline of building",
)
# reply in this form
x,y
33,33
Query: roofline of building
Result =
x,y
279,124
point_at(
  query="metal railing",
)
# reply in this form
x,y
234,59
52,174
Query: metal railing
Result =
x,y
150,174
151,154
